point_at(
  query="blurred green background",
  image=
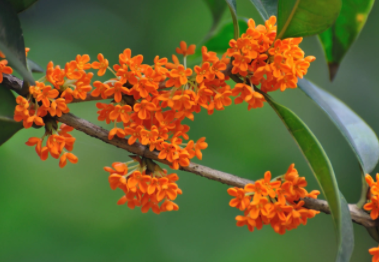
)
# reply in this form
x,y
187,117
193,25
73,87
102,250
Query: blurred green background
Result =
x,y
70,214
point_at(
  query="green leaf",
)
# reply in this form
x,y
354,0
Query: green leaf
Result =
x,y
21,5
233,11
34,67
12,41
358,134
266,8
346,239
337,40
8,126
298,18
217,8
323,171
219,41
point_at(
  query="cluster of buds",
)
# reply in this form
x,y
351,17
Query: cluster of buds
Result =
x,y
276,202
145,185
262,60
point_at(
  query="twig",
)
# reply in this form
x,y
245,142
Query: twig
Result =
x,y
358,215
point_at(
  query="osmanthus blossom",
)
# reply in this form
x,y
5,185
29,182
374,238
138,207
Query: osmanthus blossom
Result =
x,y
149,103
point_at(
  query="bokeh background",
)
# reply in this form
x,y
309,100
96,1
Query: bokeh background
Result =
x,y
70,214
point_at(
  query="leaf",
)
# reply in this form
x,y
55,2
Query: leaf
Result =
x,y
8,126
217,8
346,240
34,67
219,41
233,11
358,134
323,171
266,8
21,5
297,18
12,41
337,40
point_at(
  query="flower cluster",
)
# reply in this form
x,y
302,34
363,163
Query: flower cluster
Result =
x,y
144,187
273,201
48,98
373,196
263,60
152,114
148,104
56,144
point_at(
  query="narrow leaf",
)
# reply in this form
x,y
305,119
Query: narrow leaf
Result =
x,y
266,8
323,171
358,134
12,41
21,5
219,41
297,18
346,240
8,127
233,11
34,67
337,40
217,8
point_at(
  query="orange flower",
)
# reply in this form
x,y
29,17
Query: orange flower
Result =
x,y
100,89
373,207
70,156
81,90
118,89
183,49
166,189
140,180
223,99
239,201
4,69
116,131
200,145
271,204
102,65
178,77
120,113
119,168
117,181
144,108
169,206
82,62
203,72
55,75
58,107
375,253
258,189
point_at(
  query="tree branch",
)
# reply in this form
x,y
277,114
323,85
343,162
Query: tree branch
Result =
x,y
358,215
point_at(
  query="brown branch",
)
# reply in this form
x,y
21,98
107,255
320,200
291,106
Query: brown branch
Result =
x,y
12,83
357,215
